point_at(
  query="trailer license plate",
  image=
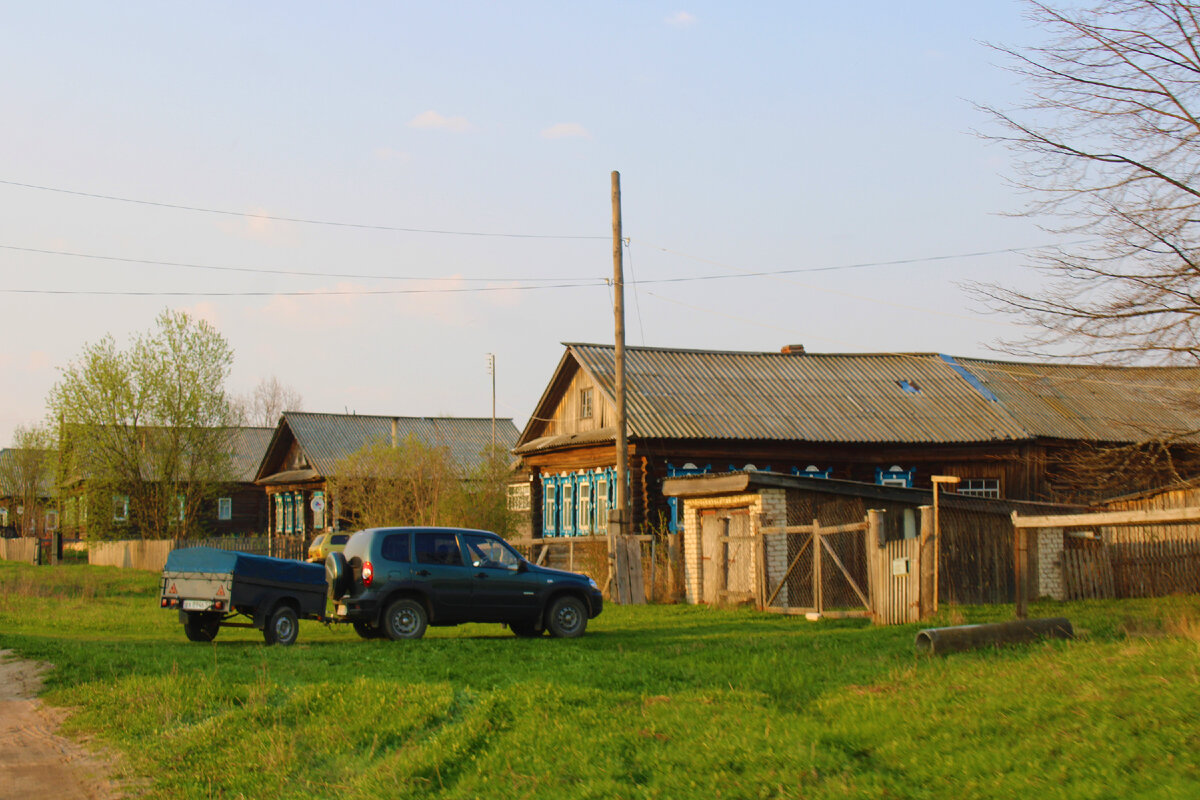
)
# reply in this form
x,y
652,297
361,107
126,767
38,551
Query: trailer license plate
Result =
x,y
196,605
341,610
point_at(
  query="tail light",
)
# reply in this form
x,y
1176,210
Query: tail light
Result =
x,y
220,604
166,602
368,573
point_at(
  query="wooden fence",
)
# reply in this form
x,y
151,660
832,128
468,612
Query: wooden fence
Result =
x,y
616,563
23,549
151,554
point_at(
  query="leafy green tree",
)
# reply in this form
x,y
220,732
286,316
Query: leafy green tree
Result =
x,y
145,430
27,477
414,483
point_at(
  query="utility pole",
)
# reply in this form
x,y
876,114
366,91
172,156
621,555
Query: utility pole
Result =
x,y
492,372
619,372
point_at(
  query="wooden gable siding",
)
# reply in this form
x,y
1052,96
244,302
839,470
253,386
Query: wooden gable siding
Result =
x,y
566,419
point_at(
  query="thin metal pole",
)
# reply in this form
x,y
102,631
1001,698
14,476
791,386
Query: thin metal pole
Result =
x,y
622,443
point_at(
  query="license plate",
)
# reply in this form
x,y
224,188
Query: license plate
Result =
x,y
196,605
341,610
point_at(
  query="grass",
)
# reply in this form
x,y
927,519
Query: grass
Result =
x,y
654,702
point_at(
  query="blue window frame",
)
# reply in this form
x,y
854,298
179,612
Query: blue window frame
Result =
x,y
673,502
895,476
813,471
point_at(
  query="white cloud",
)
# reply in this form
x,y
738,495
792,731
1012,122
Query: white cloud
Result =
x,y
681,19
434,120
566,130
388,154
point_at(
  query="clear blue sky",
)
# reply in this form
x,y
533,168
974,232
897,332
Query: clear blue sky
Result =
x,y
750,137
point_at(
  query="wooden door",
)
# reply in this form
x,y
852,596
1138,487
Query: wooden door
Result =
x,y
727,555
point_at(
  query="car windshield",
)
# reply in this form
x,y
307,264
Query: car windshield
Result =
x,y
485,551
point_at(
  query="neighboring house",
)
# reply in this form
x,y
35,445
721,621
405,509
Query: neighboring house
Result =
x,y
239,506
26,492
888,419
306,447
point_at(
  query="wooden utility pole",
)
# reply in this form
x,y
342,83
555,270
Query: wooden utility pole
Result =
x,y
622,442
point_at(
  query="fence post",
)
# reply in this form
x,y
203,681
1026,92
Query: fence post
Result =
x,y
1021,568
925,561
817,604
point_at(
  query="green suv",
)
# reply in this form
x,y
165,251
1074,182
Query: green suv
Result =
x,y
395,581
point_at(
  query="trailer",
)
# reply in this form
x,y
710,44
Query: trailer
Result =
x,y
212,588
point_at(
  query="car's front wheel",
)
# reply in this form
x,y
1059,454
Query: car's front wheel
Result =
x,y
405,619
567,617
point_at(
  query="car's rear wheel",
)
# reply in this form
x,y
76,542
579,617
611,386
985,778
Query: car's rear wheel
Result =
x,y
282,627
405,619
337,574
567,617
525,630
367,631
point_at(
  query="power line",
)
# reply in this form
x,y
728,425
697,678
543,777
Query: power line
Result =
x,y
301,220
331,293
261,271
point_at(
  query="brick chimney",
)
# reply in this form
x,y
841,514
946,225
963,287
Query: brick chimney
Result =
x,y
792,350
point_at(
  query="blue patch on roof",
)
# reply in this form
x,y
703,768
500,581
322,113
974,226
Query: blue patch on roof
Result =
x,y
969,377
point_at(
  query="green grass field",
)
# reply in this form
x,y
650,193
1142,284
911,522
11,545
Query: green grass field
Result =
x,y
661,702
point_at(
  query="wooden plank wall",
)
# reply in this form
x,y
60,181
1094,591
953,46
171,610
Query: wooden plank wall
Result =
x,y
18,549
896,599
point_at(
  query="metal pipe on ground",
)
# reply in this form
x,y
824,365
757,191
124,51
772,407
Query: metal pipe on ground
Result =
x,y
938,641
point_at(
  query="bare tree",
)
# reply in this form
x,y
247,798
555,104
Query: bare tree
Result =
x,y
263,406
1109,146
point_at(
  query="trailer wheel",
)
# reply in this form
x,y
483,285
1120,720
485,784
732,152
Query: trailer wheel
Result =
x,y
282,627
405,619
201,626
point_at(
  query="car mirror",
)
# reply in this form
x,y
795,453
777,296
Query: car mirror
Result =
x,y
522,565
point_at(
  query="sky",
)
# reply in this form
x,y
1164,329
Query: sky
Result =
x,y
367,199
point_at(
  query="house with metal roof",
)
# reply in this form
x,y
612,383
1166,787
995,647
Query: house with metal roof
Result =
x,y
1004,428
305,449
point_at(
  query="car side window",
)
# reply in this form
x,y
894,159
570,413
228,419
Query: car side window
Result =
x,y
395,548
438,548
485,551
339,538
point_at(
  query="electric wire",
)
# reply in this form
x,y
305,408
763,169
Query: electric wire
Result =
x,y
299,220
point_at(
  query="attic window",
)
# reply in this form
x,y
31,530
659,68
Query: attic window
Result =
x,y
908,386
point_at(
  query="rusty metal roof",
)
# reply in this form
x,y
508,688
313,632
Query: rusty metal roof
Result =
x,y
880,398
325,438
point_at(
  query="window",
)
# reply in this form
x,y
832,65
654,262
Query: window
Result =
x,y
585,506
549,520
485,551
894,476
518,497
568,509
120,508
179,508
225,508
279,513
395,548
585,403
51,520
4,517
979,487
438,548
601,505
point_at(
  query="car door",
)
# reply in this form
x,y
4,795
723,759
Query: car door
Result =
x,y
501,590
438,569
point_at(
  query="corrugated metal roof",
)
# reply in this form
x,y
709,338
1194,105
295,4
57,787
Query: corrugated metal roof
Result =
x,y
881,398
325,438
248,446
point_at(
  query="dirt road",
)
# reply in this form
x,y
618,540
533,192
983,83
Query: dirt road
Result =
x,y
34,761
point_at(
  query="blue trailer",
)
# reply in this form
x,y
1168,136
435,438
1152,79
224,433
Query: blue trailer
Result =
x,y
212,588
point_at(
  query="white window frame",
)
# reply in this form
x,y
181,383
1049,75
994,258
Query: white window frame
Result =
x,y
568,507
51,520
601,504
548,520
979,487
585,506
225,508
586,404
121,501
519,497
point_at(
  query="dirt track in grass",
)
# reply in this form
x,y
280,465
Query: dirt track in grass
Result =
x,y
35,762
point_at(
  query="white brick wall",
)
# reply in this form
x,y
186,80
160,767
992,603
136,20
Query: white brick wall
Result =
x,y
1050,563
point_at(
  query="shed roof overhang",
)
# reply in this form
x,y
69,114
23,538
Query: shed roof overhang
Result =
x,y
290,476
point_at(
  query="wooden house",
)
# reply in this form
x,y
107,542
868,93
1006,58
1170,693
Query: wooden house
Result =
x,y
236,507
26,492
892,419
306,447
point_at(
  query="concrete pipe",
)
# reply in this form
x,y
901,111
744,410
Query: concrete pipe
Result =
x,y
938,641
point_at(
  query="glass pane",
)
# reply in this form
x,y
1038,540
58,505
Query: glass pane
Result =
x,y
438,548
